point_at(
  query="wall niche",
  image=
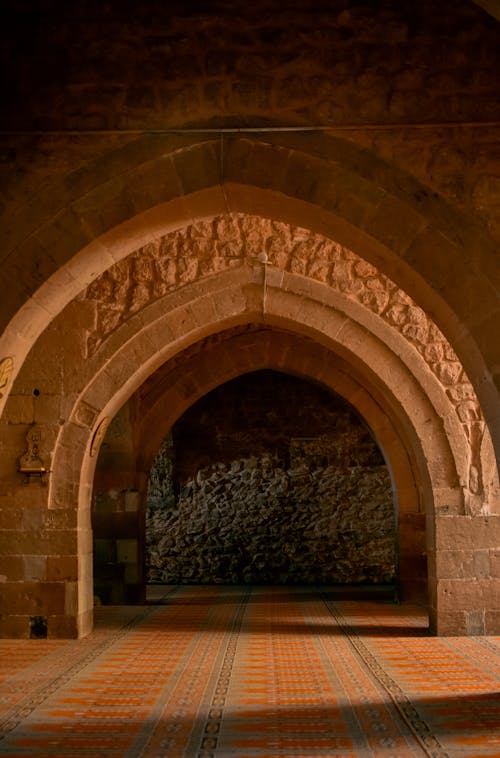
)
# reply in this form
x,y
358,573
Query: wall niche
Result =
x,y
270,479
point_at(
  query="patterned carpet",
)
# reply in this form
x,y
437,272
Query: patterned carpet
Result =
x,y
252,672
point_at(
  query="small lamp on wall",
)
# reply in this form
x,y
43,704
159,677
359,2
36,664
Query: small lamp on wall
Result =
x,y
31,463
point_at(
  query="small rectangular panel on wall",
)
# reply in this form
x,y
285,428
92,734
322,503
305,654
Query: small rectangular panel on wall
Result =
x,y
126,551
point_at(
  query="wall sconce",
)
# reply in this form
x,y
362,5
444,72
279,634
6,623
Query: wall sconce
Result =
x,y
31,463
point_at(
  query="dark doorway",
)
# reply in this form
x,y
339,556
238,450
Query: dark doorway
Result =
x,y
270,479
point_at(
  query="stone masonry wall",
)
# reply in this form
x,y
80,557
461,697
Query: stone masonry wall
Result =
x,y
114,67
269,479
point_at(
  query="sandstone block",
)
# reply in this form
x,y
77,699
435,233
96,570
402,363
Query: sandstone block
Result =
x,y
395,224
35,567
62,568
64,235
432,255
475,622
243,156
467,594
11,519
15,626
20,409
105,207
31,598
61,626
495,563
492,622
459,532
449,624
12,567
455,564
198,167
153,183
482,564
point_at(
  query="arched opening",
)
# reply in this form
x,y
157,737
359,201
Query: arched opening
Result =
x,y
355,199
279,320
270,479
136,433
362,336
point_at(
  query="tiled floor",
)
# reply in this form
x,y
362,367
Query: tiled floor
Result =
x,y
238,671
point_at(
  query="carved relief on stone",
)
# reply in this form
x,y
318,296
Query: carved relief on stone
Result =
x,y
6,369
206,248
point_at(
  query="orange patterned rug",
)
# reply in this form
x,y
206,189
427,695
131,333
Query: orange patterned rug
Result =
x,y
252,672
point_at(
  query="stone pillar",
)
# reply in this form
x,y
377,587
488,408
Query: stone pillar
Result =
x,y
118,529
40,568
118,516
464,577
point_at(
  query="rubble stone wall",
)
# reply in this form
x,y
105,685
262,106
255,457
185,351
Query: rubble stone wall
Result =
x,y
270,479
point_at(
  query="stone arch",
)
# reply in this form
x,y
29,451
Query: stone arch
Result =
x,y
382,353
235,298
228,241
419,412
387,373
168,393
165,397
155,280
325,184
